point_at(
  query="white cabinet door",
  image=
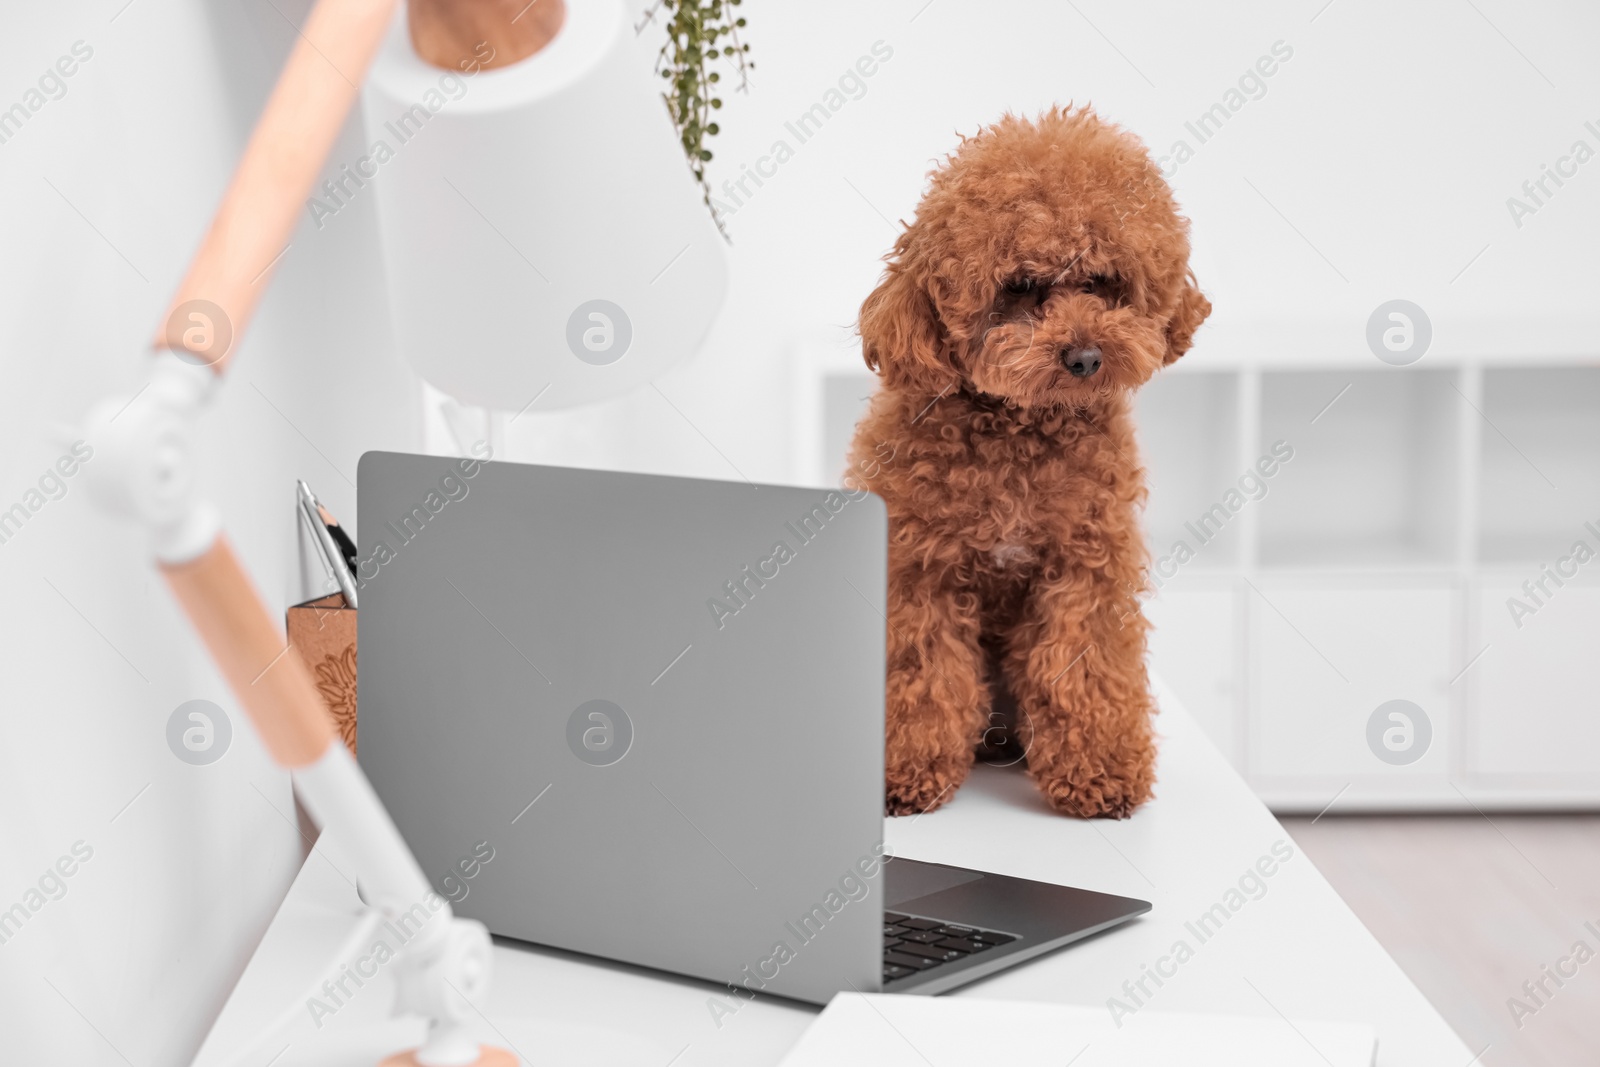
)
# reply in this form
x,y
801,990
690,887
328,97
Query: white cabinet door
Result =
x,y
1322,662
1193,646
1535,691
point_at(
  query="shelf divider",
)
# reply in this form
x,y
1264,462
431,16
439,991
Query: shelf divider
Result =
x,y
1248,445
1469,438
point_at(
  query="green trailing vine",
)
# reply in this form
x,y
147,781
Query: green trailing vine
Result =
x,y
701,34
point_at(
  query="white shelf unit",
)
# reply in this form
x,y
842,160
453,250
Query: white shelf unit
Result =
x,y
1376,566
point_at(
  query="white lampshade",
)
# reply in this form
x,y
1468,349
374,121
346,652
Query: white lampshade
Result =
x,y
542,233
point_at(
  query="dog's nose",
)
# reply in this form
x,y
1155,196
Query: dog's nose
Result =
x,y
1082,362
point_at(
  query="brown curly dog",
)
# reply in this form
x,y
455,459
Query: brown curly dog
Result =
x,y
1046,277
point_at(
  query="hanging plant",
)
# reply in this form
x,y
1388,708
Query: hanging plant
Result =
x,y
701,35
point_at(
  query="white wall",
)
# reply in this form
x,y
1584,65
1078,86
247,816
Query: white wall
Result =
x,y
1390,140
150,933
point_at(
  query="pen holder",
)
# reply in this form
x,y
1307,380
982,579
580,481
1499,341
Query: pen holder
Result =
x,y
323,634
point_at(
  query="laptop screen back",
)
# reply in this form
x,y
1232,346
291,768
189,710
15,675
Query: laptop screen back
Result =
x,y
633,716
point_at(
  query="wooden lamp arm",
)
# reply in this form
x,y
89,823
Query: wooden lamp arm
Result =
x,y
273,685
150,474
292,139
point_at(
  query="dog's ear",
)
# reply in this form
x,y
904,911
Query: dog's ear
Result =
x,y
1191,311
900,331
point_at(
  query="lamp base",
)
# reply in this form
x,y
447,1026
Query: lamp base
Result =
x,y
488,1056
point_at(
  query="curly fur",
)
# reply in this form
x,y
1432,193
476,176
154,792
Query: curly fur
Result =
x,y
1016,557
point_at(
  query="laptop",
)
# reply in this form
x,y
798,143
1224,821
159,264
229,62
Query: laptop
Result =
x,y
642,718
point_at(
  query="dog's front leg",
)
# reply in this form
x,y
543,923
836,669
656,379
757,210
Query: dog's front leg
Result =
x,y
937,698
1075,661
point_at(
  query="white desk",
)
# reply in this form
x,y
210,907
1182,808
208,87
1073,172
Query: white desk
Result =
x,y
1296,949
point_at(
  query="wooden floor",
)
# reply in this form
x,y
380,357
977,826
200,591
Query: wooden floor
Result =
x,y
1472,907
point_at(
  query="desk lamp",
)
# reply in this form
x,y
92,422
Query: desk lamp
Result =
x,y
148,472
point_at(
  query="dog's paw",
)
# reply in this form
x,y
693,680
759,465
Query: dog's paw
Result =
x,y
913,794
898,803
1101,795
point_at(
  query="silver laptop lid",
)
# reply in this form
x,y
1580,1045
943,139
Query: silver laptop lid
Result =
x,y
633,716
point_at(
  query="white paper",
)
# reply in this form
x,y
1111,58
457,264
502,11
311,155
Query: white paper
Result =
x,y
890,1031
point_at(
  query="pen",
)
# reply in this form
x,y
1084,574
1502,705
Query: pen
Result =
x,y
338,551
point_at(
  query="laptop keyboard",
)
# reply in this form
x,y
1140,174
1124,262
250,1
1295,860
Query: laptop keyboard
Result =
x,y
913,944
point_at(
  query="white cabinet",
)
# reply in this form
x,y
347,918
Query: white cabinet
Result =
x,y
1535,691
1324,659
1375,565
1194,646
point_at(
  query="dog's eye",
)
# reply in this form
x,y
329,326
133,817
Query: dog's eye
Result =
x,y
1020,286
